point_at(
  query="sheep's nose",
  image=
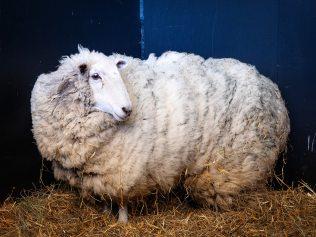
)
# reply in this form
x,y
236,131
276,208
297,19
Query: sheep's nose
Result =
x,y
127,111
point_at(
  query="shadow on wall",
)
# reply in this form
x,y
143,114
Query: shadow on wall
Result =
x,y
35,34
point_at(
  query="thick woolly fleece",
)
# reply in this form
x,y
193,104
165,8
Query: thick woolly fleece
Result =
x,y
217,123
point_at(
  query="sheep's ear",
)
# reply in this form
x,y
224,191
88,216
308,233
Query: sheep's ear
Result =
x,y
83,68
121,64
82,49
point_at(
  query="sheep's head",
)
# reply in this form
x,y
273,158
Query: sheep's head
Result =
x,y
104,79
108,89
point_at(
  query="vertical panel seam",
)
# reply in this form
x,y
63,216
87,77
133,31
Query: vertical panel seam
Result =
x,y
277,43
142,31
213,28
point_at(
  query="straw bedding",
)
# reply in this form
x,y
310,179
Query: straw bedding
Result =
x,y
59,211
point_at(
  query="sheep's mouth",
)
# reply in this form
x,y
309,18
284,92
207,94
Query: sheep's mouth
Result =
x,y
117,117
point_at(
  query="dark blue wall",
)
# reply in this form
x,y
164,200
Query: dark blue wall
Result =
x,y
34,35
277,36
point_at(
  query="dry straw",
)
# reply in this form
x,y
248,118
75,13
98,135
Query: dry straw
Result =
x,y
59,211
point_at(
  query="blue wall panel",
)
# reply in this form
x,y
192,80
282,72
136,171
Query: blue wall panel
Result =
x,y
278,37
296,70
238,29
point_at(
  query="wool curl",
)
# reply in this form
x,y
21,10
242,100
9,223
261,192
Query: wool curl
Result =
x,y
217,124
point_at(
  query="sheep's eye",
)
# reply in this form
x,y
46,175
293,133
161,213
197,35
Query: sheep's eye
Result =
x,y
120,64
95,76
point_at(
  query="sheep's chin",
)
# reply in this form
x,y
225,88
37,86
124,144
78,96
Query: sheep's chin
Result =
x,y
113,115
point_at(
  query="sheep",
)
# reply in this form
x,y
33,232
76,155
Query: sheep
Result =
x,y
120,127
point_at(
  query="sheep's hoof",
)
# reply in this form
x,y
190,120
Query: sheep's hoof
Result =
x,y
106,209
122,218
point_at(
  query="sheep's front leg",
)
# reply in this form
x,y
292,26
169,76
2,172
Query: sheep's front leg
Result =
x,y
106,209
123,214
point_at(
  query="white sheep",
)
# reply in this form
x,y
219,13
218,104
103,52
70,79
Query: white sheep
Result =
x,y
216,123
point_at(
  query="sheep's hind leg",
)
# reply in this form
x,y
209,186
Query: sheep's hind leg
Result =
x,y
87,196
123,214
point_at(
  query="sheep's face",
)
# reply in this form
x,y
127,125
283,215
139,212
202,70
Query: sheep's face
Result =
x,y
108,88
